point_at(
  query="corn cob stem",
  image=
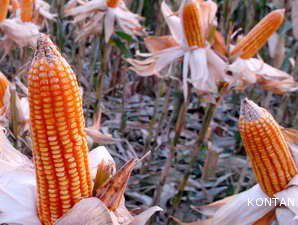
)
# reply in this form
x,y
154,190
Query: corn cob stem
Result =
x,y
192,24
199,143
113,3
266,147
27,7
258,36
59,140
3,9
180,122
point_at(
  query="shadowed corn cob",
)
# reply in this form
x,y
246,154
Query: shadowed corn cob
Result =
x,y
59,140
266,147
3,9
113,3
192,24
258,36
4,84
27,7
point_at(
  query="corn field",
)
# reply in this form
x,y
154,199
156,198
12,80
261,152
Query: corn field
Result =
x,y
148,112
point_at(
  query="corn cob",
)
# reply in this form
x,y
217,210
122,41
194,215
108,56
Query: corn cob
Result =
x,y
3,9
192,24
27,7
4,84
113,3
258,36
266,147
59,141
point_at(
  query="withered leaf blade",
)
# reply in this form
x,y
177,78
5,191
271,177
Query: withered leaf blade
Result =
x,y
90,211
112,192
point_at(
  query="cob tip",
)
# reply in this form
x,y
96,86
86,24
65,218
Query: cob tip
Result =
x,y
281,12
45,47
250,111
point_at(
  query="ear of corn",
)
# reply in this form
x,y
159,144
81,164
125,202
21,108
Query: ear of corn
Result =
x,y
27,7
266,147
258,36
113,3
3,9
192,24
4,84
59,141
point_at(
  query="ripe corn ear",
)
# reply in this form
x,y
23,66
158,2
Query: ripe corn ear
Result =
x,y
113,3
3,9
4,84
192,24
27,7
59,140
266,147
258,36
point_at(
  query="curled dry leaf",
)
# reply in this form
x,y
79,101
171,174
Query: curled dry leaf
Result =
x,y
17,34
98,156
96,16
219,44
95,212
98,137
112,192
155,44
104,167
246,72
42,14
90,211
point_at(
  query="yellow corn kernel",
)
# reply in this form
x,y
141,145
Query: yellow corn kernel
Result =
x,y
4,84
113,3
3,9
258,36
192,24
266,147
27,7
59,140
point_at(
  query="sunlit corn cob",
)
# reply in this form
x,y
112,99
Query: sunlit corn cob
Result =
x,y
258,36
27,7
4,84
113,3
3,9
266,147
192,24
59,141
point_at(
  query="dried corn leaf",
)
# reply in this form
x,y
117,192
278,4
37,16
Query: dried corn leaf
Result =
x,y
112,192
